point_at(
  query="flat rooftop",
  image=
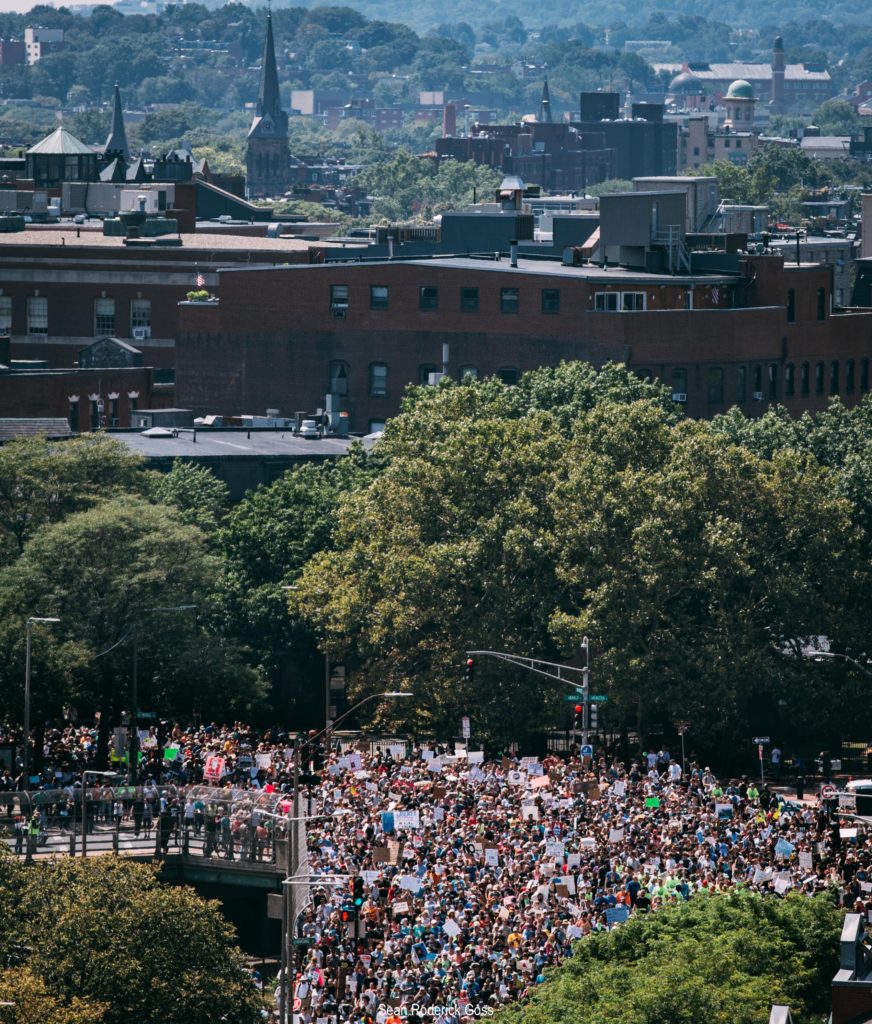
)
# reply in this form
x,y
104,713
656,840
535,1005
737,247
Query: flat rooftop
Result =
x,y
231,444
62,236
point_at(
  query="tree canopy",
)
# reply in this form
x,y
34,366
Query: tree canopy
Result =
x,y
101,941
719,958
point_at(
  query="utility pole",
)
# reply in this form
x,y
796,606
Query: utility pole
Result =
x,y
26,745
585,692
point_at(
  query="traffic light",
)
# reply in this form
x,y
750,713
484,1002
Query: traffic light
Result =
x,y
578,721
357,890
594,716
348,914
470,669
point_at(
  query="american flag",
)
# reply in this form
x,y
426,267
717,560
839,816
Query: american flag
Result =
x,y
200,280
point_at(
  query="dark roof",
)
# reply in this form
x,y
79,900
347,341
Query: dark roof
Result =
x,y
120,343
268,100
51,426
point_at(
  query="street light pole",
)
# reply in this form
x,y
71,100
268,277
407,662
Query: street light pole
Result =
x,y
29,635
373,696
814,655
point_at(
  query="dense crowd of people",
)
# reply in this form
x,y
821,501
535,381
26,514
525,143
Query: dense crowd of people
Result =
x,y
479,875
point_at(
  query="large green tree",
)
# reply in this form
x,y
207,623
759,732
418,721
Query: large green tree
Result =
x,y
104,572
721,958
101,941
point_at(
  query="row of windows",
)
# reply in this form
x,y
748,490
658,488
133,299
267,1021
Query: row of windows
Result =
x,y
428,299
104,315
765,381
378,376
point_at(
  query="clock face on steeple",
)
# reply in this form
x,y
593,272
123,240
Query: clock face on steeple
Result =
x,y
267,124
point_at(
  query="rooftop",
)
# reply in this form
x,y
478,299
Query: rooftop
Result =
x,y
230,444
61,142
32,426
56,236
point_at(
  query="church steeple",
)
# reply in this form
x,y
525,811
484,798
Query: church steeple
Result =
x,y
268,101
117,141
545,105
267,158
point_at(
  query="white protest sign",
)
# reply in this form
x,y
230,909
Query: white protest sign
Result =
x,y
407,819
529,812
555,850
805,860
616,835
492,858
397,751
451,927
410,882
475,757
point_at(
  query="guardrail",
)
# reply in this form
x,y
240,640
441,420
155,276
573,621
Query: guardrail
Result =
x,y
155,821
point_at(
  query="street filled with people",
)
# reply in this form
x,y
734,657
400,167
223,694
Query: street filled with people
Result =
x,y
475,874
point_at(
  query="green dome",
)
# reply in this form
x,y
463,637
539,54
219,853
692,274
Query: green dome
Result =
x,y
740,90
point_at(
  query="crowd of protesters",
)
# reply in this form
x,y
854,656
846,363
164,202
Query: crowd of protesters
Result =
x,y
479,874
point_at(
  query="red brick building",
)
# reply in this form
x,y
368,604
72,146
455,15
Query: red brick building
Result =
x,y
757,333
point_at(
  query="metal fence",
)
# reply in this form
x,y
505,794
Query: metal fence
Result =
x,y
158,821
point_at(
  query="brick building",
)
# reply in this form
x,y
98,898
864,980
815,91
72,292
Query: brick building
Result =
x,y
63,286
750,334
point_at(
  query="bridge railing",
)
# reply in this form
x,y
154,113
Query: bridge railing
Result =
x,y
145,821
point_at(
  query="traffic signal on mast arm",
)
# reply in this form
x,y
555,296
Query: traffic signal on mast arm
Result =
x,y
470,670
348,914
578,721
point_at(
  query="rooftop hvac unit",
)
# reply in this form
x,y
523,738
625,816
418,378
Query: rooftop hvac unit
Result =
x,y
679,396
141,333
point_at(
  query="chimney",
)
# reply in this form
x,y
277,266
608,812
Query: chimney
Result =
x,y
449,121
513,252
390,247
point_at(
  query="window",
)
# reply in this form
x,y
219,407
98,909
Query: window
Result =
x,y
376,426
550,300
864,375
849,376
104,317
378,379
508,300
834,377
804,375
339,296
821,303
819,379
424,371
468,300
632,301
96,413
73,413
758,383
679,385
469,371
772,374
741,383
715,384
113,412
338,377
606,302
643,373
428,298
37,315
378,296
508,375
140,314
5,314
789,380
791,306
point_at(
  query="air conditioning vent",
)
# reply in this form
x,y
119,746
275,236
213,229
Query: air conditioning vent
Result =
x,y
758,396
679,396
141,333
339,312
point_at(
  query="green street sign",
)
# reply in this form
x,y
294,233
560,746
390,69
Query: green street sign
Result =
x,y
594,698
599,698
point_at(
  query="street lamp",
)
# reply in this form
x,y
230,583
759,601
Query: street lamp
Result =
x,y
390,694
814,655
26,758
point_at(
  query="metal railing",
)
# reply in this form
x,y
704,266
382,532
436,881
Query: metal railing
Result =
x,y
236,826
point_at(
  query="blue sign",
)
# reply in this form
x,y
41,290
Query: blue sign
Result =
x,y
618,914
387,821
587,750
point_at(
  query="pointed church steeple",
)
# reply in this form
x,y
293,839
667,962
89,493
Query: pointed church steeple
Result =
x,y
268,101
117,141
545,105
267,158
